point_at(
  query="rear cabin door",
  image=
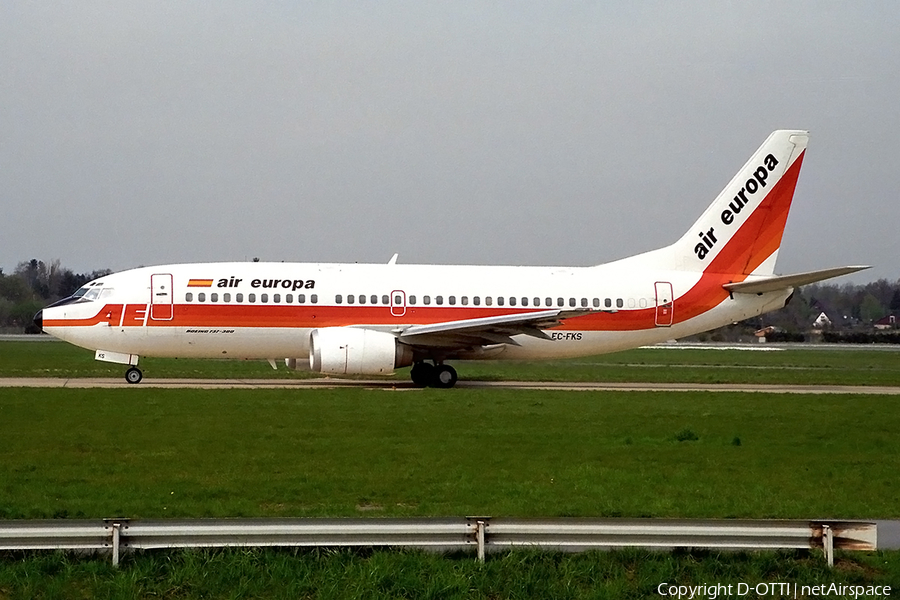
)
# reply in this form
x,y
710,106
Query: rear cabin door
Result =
x,y
665,304
161,297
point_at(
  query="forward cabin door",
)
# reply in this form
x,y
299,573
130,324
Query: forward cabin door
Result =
x,y
665,302
161,297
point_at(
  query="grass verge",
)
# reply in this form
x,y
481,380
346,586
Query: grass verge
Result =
x,y
326,574
143,452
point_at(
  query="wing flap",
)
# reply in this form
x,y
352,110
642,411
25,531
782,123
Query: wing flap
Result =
x,y
487,330
782,282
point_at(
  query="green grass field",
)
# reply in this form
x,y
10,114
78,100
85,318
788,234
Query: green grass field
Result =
x,y
825,366
343,575
144,452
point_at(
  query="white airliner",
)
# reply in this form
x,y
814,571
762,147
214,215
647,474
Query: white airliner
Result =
x,y
371,319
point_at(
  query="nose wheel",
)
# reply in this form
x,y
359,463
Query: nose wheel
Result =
x,y
133,375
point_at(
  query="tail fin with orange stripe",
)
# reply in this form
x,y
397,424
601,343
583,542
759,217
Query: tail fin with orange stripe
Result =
x,y
740,232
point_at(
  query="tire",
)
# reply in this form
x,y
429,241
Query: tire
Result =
x,y
444,377
421,374
133,375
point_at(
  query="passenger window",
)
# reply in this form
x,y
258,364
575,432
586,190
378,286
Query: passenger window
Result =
x,y
548,301
251,297
189,297
499,300
619,303
276,298
373,299
398,300
512,301
438,299
362,299
596,302
537,301
314,298
201,297
452,300
560,302
572,302
239,297
350,298
631,303
412,299
301,298
289,298
426,299
476,301
524,301
214,297
608,303
488,301
226,297
385,299
584,302
338,299
465,300
643,302
264,298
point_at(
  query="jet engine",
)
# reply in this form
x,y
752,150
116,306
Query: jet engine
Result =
x,y
353,351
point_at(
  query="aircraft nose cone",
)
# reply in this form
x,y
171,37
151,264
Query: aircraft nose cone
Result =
x,y
39,320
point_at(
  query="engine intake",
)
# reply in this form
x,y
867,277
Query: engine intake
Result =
x,y
354,351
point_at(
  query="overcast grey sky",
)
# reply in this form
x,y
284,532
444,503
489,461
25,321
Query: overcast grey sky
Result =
x,y
573,133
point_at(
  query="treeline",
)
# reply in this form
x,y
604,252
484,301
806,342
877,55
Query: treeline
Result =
x,y
33,285
849,307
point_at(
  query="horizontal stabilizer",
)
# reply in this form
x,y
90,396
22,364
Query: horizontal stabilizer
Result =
x,y
783,282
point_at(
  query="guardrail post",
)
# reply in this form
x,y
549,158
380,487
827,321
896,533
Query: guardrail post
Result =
x,y
116,530
828,544
479,535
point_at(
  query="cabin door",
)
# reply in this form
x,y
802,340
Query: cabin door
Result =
x,y
398,303
161,297
664,304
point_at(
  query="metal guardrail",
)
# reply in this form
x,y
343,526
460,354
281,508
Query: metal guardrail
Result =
x,y
484,534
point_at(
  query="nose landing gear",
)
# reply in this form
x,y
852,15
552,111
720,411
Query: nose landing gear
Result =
x,y
133,375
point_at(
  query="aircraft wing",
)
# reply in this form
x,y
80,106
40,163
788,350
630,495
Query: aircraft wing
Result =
x,y
487,330
782,282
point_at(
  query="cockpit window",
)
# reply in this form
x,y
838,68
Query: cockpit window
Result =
x,y
88,292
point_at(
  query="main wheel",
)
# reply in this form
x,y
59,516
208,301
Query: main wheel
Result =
x,y
422,373
133,375
444,376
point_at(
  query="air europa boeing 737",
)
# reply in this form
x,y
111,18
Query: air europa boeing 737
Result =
x,y
346,319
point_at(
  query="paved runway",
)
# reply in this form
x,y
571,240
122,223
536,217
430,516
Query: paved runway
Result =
x,y
327,382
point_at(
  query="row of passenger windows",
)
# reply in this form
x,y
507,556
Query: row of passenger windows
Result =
x,y
491,300
426,300
251,298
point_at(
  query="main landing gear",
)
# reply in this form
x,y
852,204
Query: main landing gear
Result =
x,y
439,376
133,375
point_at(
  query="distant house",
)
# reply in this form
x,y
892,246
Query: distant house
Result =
x,y
822,321
888,322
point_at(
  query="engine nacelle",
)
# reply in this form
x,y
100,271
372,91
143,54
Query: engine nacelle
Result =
x,y
353,351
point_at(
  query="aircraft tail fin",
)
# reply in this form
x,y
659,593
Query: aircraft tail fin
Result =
x,y
740,233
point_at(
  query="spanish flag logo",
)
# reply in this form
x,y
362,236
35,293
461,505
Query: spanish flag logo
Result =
x,y
200,282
